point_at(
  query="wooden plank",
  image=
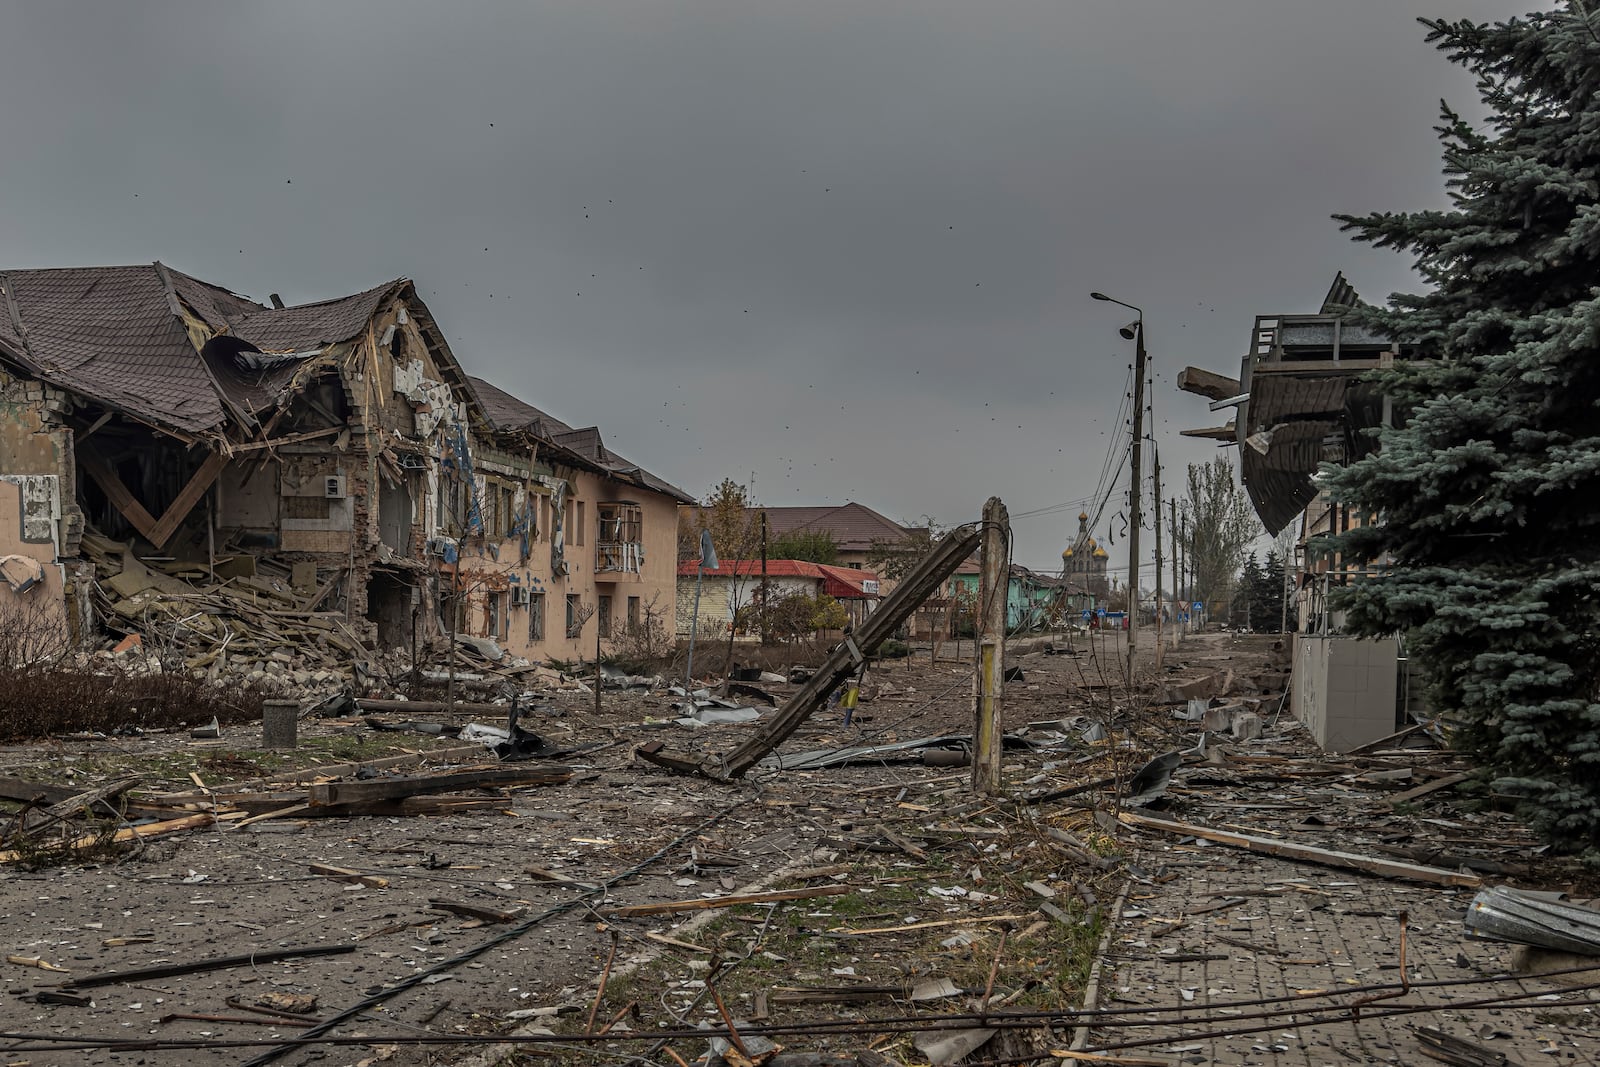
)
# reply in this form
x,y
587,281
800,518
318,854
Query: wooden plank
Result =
x,y
187,498
290,439
706,903
345,874
473,911
324,771
1307,854
329,793
1447,782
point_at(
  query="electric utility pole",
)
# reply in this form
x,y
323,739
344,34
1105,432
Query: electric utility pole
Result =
x,y
1156,490
1134,332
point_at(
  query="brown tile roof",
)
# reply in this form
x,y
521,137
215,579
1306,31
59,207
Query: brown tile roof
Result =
x,y
116,335
112,334
853,526
507,412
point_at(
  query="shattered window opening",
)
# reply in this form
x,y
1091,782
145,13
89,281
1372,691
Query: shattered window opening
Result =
x,y
574,617
536,617
621,543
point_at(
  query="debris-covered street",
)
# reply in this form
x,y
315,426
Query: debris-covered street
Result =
x,y
800,534
873,906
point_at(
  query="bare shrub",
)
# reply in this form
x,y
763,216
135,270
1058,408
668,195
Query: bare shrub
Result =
x,y
646,646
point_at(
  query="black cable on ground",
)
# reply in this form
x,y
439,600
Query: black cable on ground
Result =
x,y
473,953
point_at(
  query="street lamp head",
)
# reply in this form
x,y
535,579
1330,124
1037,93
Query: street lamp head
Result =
x,y
1099,296
1129,331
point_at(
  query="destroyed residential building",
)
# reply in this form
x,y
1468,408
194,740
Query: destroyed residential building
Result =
x,y
329,462
1301,400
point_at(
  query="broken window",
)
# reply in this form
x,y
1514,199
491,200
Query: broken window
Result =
x,y
574,616
605,615
577,525
633,614
491,512
500,615
536,617
621,543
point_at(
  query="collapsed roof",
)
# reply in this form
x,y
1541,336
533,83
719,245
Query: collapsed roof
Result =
x,y
1300,401
175,352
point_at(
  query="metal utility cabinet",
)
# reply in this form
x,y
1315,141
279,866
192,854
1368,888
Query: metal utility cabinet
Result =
x,y
1346,688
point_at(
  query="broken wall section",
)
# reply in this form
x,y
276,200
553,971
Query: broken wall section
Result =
x,y
40,527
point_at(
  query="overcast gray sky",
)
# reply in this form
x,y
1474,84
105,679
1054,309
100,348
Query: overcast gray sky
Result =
x,y
839,248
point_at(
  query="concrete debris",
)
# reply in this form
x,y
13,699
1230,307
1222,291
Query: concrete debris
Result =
x,y
1246,726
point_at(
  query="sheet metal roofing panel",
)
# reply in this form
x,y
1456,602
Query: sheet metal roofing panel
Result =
x,y
111,334
1277,397
1279,482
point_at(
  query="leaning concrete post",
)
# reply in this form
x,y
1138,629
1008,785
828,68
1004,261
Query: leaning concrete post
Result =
x,y
994,582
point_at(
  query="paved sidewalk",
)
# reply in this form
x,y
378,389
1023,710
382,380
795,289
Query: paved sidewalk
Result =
x,y
1219,925
1304,928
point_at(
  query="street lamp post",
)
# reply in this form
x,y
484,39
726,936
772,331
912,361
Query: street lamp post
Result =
x,y
1134,332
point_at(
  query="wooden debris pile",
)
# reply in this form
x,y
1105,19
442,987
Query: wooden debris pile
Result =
x,y
223,618
58,821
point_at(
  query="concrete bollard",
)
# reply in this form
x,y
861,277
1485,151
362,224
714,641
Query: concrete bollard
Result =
x,y
1246,726
279,720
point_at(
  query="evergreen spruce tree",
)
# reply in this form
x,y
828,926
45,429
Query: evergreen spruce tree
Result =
x,y
1266,596
1246,589
1488,493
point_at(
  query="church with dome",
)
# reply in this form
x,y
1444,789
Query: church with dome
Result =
x,y
1083,565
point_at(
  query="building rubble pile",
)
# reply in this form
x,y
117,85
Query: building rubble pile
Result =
x,y
251,623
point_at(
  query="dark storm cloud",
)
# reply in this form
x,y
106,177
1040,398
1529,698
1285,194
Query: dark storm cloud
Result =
x,y
842,247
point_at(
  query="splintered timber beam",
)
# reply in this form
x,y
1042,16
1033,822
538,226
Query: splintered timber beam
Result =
x,y
917,586
1208,384
330,793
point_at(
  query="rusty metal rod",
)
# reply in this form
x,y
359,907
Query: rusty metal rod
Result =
x,y
727,1020
994,969
605,975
